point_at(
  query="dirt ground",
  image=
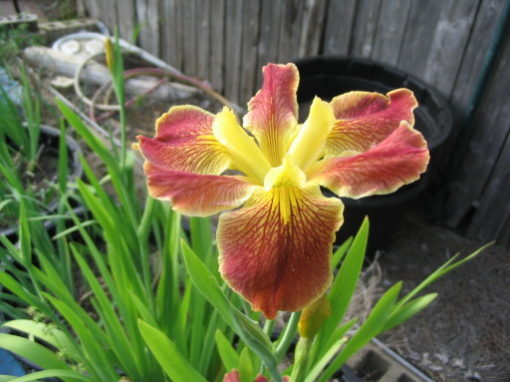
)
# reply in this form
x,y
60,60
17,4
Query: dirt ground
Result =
x,y
465,334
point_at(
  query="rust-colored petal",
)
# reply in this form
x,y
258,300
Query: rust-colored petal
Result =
x,y
196,194
185,141
398,160
275,251
272,112
365,119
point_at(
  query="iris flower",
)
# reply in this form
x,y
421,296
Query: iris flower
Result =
x,y
275,242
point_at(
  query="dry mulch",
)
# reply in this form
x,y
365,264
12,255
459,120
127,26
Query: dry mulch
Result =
x,y
465,334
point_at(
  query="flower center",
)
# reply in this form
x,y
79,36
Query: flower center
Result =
x,y
283,184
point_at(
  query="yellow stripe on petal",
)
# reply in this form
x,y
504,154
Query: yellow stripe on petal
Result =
x,y
311,140
244,151
184,141
272,112
277,257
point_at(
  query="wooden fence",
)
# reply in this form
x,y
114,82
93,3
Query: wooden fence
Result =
x,y
443,42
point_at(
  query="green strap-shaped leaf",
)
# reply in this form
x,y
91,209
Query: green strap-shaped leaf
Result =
x,y
228,355
32,351
73,375
168,356
370,328
48,333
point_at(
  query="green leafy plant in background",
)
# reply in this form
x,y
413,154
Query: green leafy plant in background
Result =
x,y
127,261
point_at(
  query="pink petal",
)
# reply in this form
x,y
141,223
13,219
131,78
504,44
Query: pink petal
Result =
x,y
394,162
185,142
273,111
196,194
365,119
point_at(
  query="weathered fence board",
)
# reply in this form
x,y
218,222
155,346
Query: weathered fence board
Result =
x,y
486,152
267,50
217,31
189,27
234,25
126,18
203,39
291,17
450,37
422,22
390,30
249,47
339,20
475,53
365,27
442,42
311,30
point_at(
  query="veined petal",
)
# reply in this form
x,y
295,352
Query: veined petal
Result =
x,y
365,119
242,148
272,112
185,142
274,262
311,139
196,194
396,161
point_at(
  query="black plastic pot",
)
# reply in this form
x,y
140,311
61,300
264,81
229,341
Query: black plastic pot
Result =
x,y
49,142
328,77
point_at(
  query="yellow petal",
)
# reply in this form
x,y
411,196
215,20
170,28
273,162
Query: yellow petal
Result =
x,y
311,140
244,151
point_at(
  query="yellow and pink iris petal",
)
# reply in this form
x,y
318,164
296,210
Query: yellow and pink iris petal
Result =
x,y
272,112
185,141
397,160
364,119
196,194
275,248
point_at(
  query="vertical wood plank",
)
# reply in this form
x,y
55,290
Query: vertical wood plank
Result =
x,y
390,30
171,41
249,49
477,47
153,33
217,13
365,28
234,28
92,8
126,14
290,30
203,39
450,37
312,28
339,21
494,210
269,35
422,22
486,144
142,23
189,36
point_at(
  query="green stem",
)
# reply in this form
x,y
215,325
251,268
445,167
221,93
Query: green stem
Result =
x,y
288,336
268,327
301,358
